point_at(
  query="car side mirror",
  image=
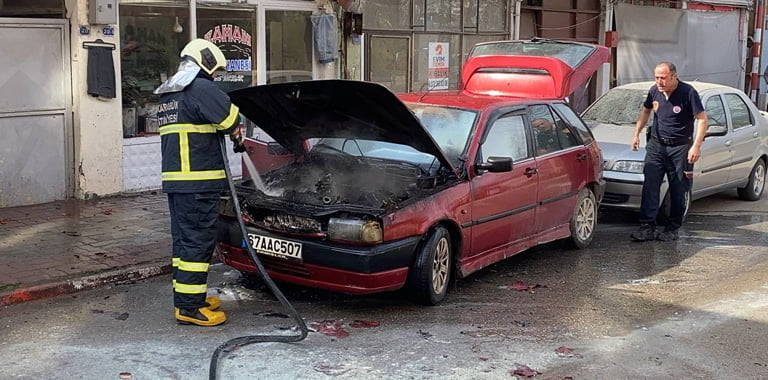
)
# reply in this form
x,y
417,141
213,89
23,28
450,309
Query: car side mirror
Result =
x,y
275,149
716,130
495,165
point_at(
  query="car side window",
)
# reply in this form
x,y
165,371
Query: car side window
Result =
x,y
544,131
567,113
506,138
715,111
564,133
740,115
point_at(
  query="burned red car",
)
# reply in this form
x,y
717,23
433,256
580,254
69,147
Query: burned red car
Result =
x,y
365,191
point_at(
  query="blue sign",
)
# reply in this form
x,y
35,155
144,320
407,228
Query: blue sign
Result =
x,y
108,31
84,31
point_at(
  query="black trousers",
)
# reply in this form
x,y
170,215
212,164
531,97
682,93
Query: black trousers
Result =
x,y
193,227
672,161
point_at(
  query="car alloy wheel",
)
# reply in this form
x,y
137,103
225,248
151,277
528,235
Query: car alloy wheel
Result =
x,y
584,219
754,189
440,266
759,182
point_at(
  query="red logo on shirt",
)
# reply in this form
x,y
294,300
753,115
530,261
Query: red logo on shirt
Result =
x,y
676,109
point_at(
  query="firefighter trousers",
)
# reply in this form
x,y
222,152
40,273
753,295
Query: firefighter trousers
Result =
x,y
193,227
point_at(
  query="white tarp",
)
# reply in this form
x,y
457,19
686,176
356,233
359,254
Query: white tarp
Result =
x,y
704,46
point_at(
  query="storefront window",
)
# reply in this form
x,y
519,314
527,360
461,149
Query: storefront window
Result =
x,y
444,15
151,38
36,9
494,15
289,46
388,57
453,27
233,31
388,14
428,62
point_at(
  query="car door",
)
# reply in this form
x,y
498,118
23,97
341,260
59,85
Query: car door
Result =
x,y
562,163
503,204
745,137
714,167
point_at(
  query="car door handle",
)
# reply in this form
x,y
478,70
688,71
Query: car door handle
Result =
x,y
728,143
529,172
582,157
756,134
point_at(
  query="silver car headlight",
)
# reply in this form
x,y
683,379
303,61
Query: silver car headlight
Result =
x,y
628,166
354,230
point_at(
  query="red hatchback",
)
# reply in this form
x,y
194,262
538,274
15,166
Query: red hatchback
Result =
x,y
364,191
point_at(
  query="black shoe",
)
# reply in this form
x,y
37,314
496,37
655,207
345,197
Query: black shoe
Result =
x,y
667,235
644,233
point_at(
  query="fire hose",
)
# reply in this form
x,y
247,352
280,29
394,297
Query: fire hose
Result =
x,y
235,343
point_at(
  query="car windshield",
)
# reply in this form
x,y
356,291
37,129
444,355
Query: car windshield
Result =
x,y
571,54
449,127
619,106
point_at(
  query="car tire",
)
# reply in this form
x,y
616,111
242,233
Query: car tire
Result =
x,y
665,208
584,220
754,189
429,276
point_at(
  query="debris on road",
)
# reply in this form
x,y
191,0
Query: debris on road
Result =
x,y
331,369
521,286
330,327
361,324
567,352
120,316
271,314
524,371
425,334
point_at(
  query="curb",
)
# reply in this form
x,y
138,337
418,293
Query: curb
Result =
x,y
55,289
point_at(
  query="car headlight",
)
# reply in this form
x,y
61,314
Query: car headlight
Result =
x,y
628,166
354,230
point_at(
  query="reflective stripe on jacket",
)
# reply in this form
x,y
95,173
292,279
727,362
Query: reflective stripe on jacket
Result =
x,y
190,123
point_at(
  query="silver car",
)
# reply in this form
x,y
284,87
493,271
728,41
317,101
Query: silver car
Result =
x,y
733,154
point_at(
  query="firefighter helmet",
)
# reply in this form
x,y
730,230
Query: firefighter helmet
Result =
x,y
207,55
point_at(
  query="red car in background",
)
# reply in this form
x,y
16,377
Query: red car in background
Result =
x,y
365,191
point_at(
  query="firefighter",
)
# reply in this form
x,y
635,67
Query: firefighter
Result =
x,y
193,114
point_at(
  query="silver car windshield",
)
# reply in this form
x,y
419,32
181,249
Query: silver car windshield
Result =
x,y
619,106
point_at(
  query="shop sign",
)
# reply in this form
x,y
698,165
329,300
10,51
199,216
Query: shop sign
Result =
x,y
438,69
236,44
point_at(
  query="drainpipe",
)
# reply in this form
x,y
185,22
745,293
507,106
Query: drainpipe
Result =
x,y
757,40
516,26
192,19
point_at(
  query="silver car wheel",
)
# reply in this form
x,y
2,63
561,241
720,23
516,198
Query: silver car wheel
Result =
x,y
440,266
585,218
759,182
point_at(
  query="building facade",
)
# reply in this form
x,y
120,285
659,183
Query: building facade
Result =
x,y
63,137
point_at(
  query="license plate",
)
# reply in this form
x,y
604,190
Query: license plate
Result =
x,y
275,247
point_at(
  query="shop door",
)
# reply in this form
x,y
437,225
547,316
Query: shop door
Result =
x,y
289,46
389,62
35,112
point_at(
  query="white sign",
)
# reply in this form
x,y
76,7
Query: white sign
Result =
x,y
438,69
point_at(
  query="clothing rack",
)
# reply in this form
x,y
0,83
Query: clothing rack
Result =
x,y
98,43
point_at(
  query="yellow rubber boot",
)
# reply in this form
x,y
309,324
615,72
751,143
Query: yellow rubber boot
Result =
x,y
201,317
213,302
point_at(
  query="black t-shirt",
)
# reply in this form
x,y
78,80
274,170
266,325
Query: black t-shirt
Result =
x,y
674,118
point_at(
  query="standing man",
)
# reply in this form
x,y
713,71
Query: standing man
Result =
x,y
193,114
671,149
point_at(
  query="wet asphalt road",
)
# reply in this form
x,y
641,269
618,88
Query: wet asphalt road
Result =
x,y
692,309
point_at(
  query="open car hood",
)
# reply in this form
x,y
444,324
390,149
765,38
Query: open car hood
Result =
x,y
293,112
541,69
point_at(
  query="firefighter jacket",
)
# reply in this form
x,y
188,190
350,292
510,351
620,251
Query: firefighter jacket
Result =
x,y
190,125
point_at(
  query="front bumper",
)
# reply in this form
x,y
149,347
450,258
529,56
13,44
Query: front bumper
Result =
x,y
326,265
625,190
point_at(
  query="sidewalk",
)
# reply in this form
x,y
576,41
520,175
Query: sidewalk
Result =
x,y
63,247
